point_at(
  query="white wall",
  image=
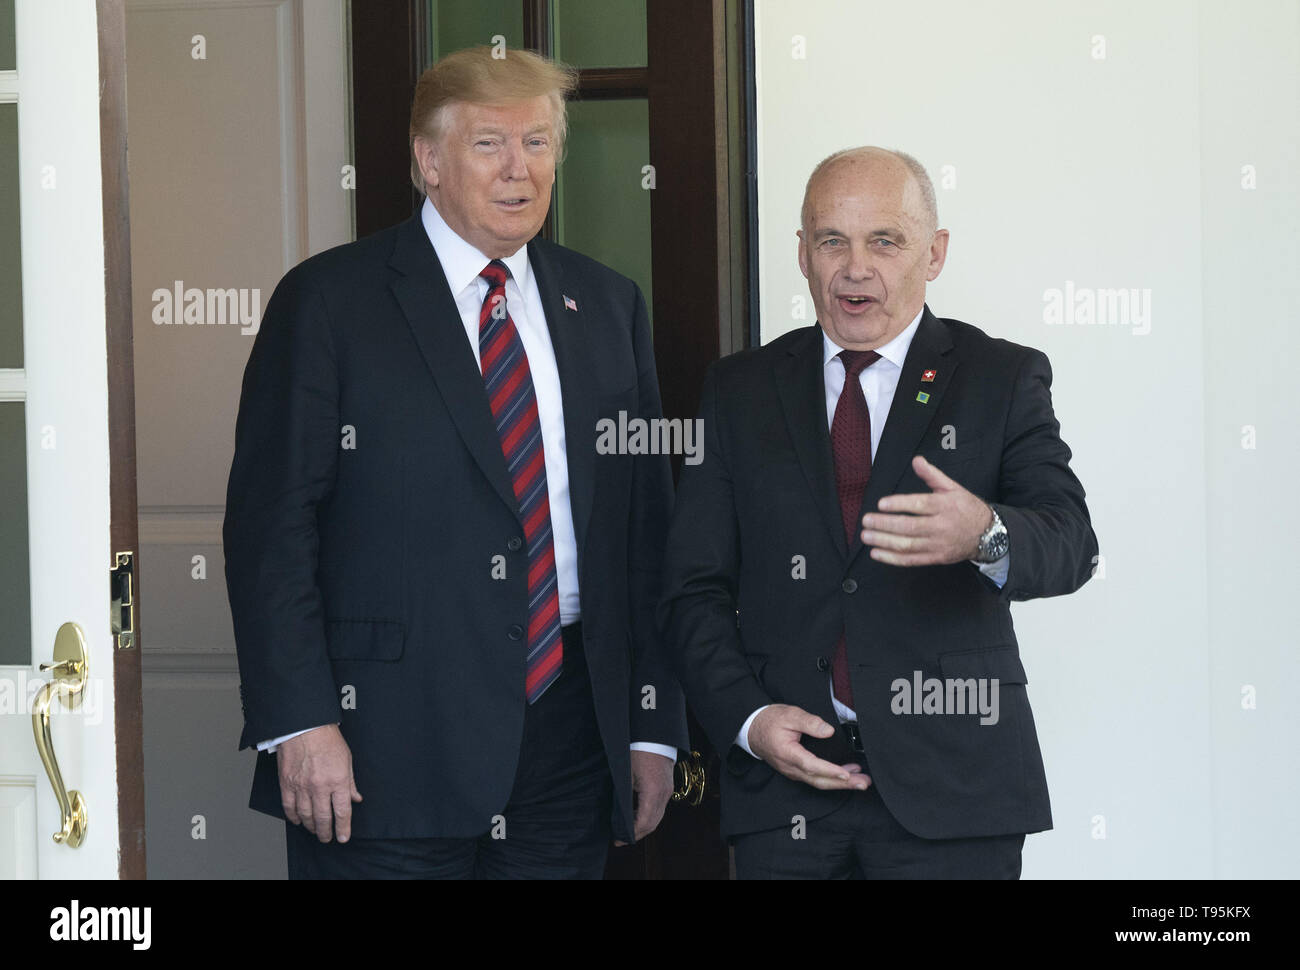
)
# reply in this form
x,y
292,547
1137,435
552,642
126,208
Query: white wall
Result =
x,y
1103,143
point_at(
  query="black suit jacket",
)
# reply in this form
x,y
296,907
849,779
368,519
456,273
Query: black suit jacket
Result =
x,y
368,498
746,631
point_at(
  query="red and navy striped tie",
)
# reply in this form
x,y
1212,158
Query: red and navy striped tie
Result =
x,y
514,406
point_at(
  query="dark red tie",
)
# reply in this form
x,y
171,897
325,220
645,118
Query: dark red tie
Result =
x,y
509,385
851,449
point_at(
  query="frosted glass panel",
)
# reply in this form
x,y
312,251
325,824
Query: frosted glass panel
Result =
x,y
15,596
8,59
469,23
11,283
602,210
599,33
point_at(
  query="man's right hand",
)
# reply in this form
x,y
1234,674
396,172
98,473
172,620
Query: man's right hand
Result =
x,y
774,736
316,785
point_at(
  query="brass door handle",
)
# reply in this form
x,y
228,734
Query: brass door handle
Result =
x,y
692,787
69,677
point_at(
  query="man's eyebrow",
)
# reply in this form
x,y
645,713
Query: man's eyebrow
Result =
x,y
488,129
889,232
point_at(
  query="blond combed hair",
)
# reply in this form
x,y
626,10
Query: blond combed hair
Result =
x,y
479,75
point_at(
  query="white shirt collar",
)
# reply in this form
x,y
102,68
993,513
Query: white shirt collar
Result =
x,y
895,351
462,262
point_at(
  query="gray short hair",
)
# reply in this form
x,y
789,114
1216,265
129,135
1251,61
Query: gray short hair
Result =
x,y
918,171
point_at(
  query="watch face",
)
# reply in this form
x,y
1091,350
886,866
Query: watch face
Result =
x,y
996,547
995,542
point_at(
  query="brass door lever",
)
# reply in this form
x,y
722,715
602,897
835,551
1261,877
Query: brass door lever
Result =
x,y
69,677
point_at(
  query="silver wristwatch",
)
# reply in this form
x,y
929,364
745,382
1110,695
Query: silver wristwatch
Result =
x,y
994,543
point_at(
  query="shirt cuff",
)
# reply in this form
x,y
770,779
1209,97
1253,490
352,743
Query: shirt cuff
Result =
x,y
996,570
270,746
666,750
742,738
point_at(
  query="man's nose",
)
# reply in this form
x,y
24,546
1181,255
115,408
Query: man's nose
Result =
x,y
513,164
861,264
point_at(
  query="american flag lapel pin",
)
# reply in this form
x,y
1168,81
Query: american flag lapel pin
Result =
x,y
570,304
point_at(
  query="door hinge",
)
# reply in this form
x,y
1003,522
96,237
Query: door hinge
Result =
x,y
122,610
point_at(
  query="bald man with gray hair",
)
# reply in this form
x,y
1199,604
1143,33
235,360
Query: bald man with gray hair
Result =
x,y
928,204
898,480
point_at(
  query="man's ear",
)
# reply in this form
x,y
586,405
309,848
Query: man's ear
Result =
x,y
803,253
426,156
938,254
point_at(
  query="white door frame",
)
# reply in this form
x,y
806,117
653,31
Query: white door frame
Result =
x,y
65,385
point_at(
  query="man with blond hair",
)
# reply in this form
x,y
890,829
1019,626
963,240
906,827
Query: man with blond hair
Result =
x,y
443,596
897,479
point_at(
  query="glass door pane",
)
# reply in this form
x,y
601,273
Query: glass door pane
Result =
x,y
15,592
11,286
457,24
601,208
599,33
8,60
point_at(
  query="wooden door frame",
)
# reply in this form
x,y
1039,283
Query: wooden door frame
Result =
x,y
124,532
389,50
691,102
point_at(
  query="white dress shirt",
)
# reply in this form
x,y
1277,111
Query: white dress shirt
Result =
x,y
879,381
461,264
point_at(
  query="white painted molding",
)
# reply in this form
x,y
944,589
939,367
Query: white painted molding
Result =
x,y
293,150
181,525
293,132
13,384
190,5
198,680
170,660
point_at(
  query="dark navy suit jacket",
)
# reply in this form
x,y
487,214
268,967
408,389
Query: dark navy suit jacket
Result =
x,y
367,500
748,630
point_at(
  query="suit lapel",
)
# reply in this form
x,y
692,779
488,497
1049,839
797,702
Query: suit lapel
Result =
x,y
431,312
801,385
569,329
908,417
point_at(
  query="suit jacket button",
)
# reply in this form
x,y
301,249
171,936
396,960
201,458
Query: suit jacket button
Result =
x,y
823,664
515,544
516,632
849,585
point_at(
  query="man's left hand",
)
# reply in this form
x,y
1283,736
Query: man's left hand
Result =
x,y
652,786
927,530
